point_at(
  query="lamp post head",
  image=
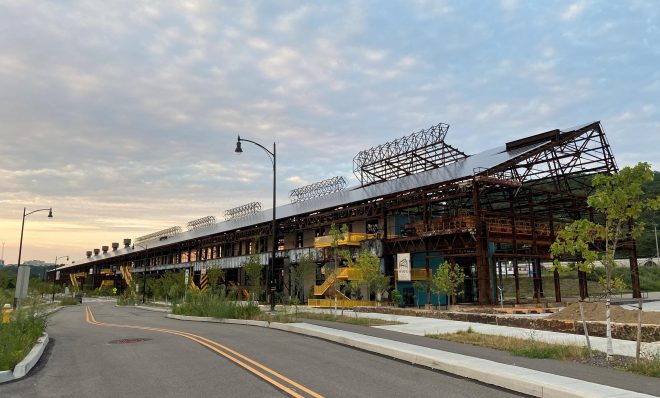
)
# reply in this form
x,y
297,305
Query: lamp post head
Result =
x,y
50,213
238,145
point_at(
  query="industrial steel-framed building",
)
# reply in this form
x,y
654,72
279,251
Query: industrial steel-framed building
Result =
x,y
417,195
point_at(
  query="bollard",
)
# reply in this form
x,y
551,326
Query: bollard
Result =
x,y
6,313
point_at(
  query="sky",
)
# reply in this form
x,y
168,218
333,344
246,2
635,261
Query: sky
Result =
x,y
123,115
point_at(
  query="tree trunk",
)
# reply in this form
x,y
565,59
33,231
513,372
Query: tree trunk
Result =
x,y
584,328
639,330
557,286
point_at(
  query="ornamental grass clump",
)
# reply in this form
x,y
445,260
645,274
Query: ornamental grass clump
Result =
x,y
221,306
18,337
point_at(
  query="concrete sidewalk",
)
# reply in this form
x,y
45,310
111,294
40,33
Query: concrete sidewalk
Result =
x,y
420,326
515,378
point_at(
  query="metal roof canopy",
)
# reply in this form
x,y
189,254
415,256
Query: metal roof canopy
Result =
x,y
488,161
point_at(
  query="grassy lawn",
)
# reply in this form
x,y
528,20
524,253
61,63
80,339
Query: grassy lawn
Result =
x,y
353,320
649,281
569,287
531,348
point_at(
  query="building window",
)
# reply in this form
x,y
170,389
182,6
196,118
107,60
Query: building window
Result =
x,y
372,227
319,232
299,240
280,243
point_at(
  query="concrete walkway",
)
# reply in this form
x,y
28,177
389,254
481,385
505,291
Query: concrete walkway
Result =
x,y
420,326
515,378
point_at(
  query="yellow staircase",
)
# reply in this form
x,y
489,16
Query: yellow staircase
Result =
x,y
344,273
126,274
74,281
193,286
107,282
347,239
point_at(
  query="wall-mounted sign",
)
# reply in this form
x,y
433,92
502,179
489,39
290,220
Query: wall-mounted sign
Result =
x,y
403,266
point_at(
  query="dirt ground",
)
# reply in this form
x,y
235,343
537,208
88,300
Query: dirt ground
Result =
x,y
596,312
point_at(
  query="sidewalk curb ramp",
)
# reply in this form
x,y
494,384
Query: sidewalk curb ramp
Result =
x,y
514,378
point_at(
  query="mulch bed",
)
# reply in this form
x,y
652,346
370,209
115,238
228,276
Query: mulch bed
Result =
x,y
596,327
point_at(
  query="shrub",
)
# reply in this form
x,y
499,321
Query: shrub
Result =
x,y
68,300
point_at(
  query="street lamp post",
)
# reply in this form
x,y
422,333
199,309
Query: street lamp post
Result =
x,y
20,245
55,275
271,272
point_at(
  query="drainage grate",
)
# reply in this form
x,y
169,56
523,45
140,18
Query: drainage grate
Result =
x,y
128,341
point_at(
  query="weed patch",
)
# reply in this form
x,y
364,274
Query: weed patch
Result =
x,y
18,337
529,348
353,320
218,306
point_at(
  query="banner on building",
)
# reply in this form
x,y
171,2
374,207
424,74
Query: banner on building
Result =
x,y
403,266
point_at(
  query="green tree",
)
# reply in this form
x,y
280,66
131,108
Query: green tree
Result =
x,y
450,279
216,277
254,270
301,272
173,285
370,276
619,201
418,287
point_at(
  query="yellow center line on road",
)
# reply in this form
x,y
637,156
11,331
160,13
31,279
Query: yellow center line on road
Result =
x,y
223,351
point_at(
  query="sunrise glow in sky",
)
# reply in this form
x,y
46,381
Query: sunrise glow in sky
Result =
x,y
123,115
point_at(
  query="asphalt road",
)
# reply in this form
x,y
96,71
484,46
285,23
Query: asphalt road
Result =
x,y
85,359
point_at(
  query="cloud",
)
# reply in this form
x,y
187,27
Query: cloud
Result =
x,y
296,180
509,5
124,117
574,11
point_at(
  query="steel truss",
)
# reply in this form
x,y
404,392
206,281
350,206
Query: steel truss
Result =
x,y
317,189
200,223
165,233
243,210
420,151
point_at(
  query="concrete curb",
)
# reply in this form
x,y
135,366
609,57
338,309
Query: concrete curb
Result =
x,y
263,324
514,378
23,367
146,308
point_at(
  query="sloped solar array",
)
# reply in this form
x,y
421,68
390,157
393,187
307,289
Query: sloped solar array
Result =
x,y
166,233
317,189
200,223
420,151
243,210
